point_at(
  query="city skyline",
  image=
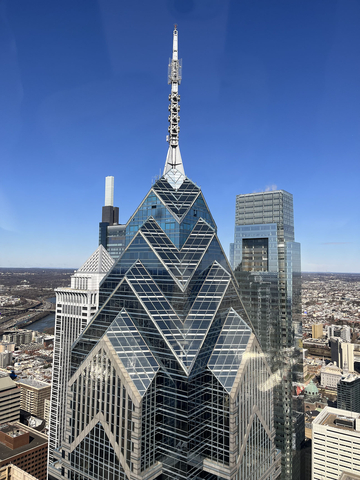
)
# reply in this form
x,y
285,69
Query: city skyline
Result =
x,y
271,101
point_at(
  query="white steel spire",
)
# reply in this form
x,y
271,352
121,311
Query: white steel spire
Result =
x,y
174,169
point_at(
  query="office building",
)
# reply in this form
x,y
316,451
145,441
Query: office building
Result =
x,y
9,400
111,233
342,354
348,393
317,330
330,375
6,359
335,347
266,262
24,447
333,331
75,306
347,356
335,444
7,347
32,395
168,379
19,337
345,334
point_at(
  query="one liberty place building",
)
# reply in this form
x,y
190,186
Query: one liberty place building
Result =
x,y
168,380
266,262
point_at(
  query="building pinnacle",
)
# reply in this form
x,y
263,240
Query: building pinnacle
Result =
x,y
174,169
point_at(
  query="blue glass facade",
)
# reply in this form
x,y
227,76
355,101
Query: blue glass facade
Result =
x,y
266,262
169,373
176,214
268,231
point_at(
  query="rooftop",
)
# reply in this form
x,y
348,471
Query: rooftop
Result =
x,y
31,382
36,439
350,378
338,418
6,383
271,192
349,476
331,368
12,430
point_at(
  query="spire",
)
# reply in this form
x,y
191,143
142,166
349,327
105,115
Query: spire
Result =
x,y
174,169
109,191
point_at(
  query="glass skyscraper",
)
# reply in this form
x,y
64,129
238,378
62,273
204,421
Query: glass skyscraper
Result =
x,y
266,263
168,380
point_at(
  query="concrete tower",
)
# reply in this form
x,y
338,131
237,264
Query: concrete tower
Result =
x,y
75,306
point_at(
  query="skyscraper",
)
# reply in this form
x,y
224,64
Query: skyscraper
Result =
x,y
266,261
75,306
168,379
111,233
348,393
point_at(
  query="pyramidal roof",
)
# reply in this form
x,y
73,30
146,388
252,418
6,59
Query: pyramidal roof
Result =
x,y
99,262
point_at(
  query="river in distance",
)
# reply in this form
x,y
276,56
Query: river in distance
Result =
x,y
44,323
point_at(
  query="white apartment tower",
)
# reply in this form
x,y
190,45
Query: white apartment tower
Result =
x,y
75,306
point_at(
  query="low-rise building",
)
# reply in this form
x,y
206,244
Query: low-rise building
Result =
x,y
312,366
330,376
12,472
24,447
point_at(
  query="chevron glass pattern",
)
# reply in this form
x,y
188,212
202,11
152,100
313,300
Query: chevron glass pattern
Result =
x,y
169,374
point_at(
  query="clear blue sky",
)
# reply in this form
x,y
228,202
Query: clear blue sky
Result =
x,y
270,97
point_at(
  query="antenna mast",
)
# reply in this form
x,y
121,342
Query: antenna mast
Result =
x,y
174,79
174,169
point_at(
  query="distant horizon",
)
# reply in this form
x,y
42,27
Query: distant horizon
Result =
x,y
72,268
